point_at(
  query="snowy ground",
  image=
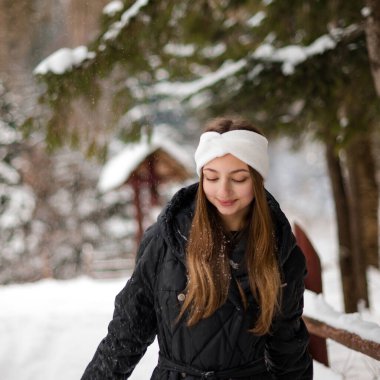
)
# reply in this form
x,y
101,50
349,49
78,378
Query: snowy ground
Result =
x,y
50,329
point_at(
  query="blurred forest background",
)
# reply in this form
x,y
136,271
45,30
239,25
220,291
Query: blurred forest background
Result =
x,y
306,70
51,213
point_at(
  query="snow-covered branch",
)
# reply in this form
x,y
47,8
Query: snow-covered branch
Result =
x,y
187,89
292,55
289,56
125,18
113,7
63,60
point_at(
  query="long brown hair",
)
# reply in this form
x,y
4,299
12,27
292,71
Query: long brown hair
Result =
x,y
208,265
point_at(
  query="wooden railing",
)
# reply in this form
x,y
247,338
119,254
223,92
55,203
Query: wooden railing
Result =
x,y
110,268
319,329
344,337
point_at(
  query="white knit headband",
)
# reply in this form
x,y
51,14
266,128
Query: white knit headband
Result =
x,y
249,147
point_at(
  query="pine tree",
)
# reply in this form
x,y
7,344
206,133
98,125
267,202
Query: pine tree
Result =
x,y
53,221
295,68
17,199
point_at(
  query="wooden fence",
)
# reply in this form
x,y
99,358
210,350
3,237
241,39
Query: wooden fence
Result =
x,y
320,330
344,337
111,268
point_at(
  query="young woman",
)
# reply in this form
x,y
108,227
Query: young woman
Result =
x,y
218,278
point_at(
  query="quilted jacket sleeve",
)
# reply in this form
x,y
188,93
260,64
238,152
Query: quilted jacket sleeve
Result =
x,y
287,355
133,326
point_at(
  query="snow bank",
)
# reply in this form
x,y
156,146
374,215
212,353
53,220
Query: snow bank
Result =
x,y
323,372
50,329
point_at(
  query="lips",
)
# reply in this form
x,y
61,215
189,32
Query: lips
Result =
x,y
226,203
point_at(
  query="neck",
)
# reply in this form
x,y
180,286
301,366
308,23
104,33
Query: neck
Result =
x,y
231,223
235,222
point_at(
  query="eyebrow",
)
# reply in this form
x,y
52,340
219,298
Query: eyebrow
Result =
x,y
232,172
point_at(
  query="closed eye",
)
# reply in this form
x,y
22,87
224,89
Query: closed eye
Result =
x,y
239,180
211,179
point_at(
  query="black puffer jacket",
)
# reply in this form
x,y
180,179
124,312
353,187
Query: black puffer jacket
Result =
x,y
150,302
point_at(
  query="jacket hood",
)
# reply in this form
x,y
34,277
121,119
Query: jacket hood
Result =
x,y
176,218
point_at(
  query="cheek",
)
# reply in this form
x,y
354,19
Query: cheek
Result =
x,y
247,193
207,189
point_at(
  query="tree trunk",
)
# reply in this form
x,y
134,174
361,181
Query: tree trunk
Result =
x,y
373,45
356,177
373,40
82,20
343,226
368,198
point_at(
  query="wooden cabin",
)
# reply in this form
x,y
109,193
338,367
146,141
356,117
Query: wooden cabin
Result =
x,y
145,166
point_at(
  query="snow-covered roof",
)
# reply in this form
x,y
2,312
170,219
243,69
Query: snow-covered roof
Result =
x,y
118,169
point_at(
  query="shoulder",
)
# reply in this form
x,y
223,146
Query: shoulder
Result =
x,y
151,248
294,268
148,258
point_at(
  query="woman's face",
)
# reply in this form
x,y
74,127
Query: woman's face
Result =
x,y
228,185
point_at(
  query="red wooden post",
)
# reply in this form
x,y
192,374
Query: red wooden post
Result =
x,y
139,215
313,282
153,181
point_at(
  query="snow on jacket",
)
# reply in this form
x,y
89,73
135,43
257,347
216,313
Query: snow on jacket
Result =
x,y
150,302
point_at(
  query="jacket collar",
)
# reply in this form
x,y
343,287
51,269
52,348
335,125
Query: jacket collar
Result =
x,y
176,218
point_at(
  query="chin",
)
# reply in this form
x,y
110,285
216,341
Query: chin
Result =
x,y
227,212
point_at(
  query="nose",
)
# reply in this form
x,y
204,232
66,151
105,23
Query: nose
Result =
x,y
224,189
